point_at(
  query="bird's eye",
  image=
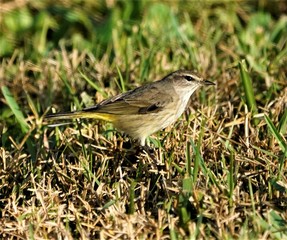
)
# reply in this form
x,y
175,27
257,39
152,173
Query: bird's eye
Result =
x,y
189,78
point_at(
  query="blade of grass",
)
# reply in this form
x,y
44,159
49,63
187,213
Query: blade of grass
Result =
x,y
15,109
173,234
248,90
283,123
197,160
94,85
231,179
145,66
281,142
200,162
184,213
122,83
108,204
21,120
202,165
70,91
188,160
276,135
132,197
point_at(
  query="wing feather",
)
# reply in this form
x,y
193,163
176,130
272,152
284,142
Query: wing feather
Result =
x,y
141,100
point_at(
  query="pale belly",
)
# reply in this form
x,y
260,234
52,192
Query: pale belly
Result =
x,y
142,125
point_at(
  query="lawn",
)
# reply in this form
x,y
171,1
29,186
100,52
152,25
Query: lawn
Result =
x,y
219,172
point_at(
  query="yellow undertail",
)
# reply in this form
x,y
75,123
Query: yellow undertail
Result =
x,y
81,114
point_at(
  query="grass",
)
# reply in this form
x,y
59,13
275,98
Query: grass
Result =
x,y
221,171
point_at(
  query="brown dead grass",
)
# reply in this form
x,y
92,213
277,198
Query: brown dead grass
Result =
x,y
70,193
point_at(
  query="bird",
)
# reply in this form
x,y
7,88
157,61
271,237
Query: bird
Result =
x,y
146,109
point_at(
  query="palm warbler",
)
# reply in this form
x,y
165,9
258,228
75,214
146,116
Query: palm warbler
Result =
x,y
146,109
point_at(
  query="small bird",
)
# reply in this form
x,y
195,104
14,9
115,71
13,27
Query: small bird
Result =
x,y
146,109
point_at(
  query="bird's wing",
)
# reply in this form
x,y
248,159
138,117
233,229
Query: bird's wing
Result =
x,y
137,101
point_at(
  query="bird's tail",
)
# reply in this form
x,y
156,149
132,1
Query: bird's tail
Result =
x,y
80,114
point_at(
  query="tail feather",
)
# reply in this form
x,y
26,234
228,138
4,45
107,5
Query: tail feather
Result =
x,y
64,116
80,114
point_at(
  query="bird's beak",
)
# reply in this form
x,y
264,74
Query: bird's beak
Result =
x,y
206,82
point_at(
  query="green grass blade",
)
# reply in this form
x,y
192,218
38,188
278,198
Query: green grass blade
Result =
x,y
183,209
248,89
187,186
122,82
15,109
283,123
108,204
188,160
173,234
20,119
70,91
131,209
197,161
94,85
231,182
276,135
